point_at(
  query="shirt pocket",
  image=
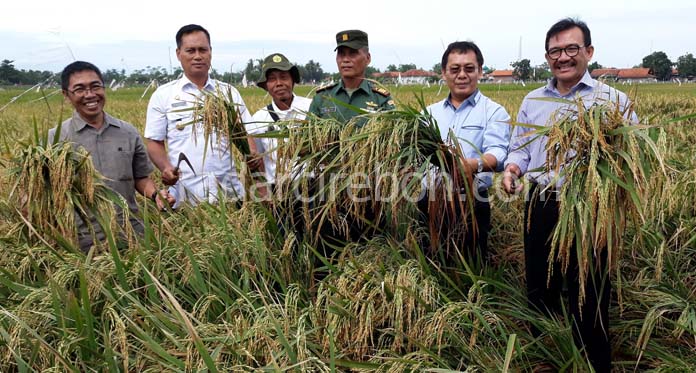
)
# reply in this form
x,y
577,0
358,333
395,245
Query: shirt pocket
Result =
x,y
117,161
471,126
179,124
470,136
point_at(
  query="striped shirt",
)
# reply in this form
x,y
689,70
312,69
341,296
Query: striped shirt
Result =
x,y
531,158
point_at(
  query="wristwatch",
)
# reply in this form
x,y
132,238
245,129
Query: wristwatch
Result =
x,y
479,168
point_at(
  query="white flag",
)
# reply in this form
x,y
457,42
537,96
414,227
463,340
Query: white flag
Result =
x,y
244,81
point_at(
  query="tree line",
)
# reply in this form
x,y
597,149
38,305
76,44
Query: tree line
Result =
x,y
658,62
313,73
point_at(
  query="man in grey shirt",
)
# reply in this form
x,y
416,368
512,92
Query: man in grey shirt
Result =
x,y
115,147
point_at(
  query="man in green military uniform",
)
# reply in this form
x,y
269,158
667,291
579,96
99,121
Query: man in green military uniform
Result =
x,y
352,58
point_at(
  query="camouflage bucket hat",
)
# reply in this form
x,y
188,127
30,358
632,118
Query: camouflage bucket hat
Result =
x,y
354,39
277,61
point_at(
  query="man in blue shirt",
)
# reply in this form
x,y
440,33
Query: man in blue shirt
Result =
x,y
480,126
568,52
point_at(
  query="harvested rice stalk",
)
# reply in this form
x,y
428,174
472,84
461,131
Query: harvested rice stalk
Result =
x,y
369,170
55,184
220,121
606,162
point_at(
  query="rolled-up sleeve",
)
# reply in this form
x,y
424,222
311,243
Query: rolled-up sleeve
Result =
x,y
496,138
519,151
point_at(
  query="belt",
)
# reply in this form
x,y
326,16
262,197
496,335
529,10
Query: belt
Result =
x,y
543,192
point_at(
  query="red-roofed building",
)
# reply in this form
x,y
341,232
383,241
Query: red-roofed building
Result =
x,y
636,74
501,76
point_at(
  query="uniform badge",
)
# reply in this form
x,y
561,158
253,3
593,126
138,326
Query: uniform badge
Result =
x,y
371,104
277,58
381,91
345,37
328,109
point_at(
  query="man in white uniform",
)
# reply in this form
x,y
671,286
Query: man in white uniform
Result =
x,y
166,113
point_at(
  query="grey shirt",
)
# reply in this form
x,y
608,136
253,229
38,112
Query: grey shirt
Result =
x,y
118,153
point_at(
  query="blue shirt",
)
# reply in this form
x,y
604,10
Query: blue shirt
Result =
x,y
544,113
481,126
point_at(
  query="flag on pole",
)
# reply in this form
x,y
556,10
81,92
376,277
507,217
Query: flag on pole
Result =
x,y
244,81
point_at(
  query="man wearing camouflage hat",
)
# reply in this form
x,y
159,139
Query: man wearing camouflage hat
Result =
x,y
352,58
278,78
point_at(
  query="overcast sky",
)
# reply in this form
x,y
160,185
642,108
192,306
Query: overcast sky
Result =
x,y
129,34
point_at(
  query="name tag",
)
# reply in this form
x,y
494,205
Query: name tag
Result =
x,y
180,103
329,109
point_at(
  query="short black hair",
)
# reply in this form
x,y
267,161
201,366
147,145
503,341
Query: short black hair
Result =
x,y
461,47
76,67
567,24
189,29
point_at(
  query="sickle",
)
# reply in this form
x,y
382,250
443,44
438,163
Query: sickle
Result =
x,y
182,157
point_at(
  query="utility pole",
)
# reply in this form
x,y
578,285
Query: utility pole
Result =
x,y
171,68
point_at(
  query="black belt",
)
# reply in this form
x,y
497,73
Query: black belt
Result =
x,y
543,192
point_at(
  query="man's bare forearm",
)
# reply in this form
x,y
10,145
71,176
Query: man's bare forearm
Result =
x,y
158,154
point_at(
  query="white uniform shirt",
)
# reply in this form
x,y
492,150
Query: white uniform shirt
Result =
x,y
262,122
214,173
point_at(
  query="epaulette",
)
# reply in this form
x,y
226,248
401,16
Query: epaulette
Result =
x,y
380,90
325,87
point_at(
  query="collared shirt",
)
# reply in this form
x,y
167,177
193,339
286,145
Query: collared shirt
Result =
x,y
262,122
170,106
532,157
116,149
481,126
117,152
366,97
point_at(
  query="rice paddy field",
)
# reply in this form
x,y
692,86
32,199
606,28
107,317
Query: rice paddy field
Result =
x,y
224,288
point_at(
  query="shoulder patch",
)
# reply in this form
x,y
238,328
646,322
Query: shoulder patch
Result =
x,y
325,87
380,90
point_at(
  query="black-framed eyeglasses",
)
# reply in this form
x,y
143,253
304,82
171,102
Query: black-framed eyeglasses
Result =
x,y
570,51
94,88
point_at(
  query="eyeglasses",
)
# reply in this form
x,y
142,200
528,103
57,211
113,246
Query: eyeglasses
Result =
x,y
456,69
570,51
94,88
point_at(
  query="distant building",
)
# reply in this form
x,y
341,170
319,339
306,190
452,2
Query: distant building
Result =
x,y
501,76
632,75
413,76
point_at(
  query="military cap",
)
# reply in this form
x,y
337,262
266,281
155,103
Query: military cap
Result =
x,y
278,62
355,39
